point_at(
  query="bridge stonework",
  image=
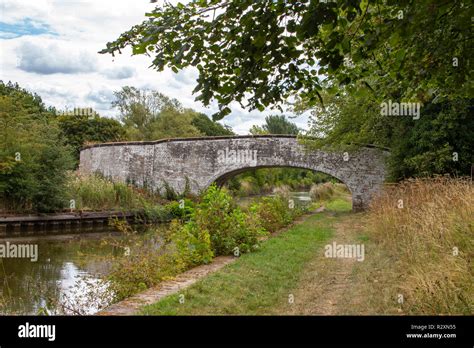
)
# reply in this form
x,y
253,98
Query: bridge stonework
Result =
x,y
198,162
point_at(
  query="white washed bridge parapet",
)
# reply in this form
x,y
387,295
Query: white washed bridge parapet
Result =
x,y
198,162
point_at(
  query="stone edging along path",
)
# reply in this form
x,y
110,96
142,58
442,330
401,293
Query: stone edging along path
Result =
x,y
131,305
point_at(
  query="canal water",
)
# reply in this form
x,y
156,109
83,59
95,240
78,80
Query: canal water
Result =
x,y
299,198
68,275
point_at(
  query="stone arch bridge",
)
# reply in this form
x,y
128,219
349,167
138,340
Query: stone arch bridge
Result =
x,y
199,162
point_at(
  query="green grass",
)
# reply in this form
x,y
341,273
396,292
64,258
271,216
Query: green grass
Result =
x,y
258,282
338,204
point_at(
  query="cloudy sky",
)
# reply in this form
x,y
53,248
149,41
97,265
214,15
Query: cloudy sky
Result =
x,y
50,47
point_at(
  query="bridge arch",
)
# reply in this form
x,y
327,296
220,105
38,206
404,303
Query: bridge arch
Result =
x,y
198,162
222,179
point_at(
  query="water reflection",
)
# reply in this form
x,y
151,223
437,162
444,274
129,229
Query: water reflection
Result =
x,y
67,277
62,269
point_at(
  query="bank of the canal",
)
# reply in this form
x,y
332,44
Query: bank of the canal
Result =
x,y
62,223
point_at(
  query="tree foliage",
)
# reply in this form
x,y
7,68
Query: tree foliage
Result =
x,y
33,157
38,146
140,108
173,123
440,141
259,53
276,124
208,127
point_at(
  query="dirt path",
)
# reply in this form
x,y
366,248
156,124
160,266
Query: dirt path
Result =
x,y
327,283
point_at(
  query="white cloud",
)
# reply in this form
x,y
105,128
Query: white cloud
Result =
x,y
53,59
102,98
119,73
17,10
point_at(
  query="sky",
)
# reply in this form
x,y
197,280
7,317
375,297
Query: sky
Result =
x,y
50,47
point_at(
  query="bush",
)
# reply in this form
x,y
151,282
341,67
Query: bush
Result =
x,y
149,263
273,212
227,225
215,227
137,272
193,245
150,212
177,212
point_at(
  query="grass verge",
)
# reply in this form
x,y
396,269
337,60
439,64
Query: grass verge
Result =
x,y
420,249
257,282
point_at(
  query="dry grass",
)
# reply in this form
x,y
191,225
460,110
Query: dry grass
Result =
x,y
414,247
282,190
342,188
93,192
408,252
321,192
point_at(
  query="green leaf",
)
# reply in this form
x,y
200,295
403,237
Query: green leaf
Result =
x,y
259,41
221,114
346,45
140,49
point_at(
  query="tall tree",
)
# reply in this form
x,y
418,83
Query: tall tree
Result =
x,y
151,115
173,123
140,108
354,54
437,141
208,127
